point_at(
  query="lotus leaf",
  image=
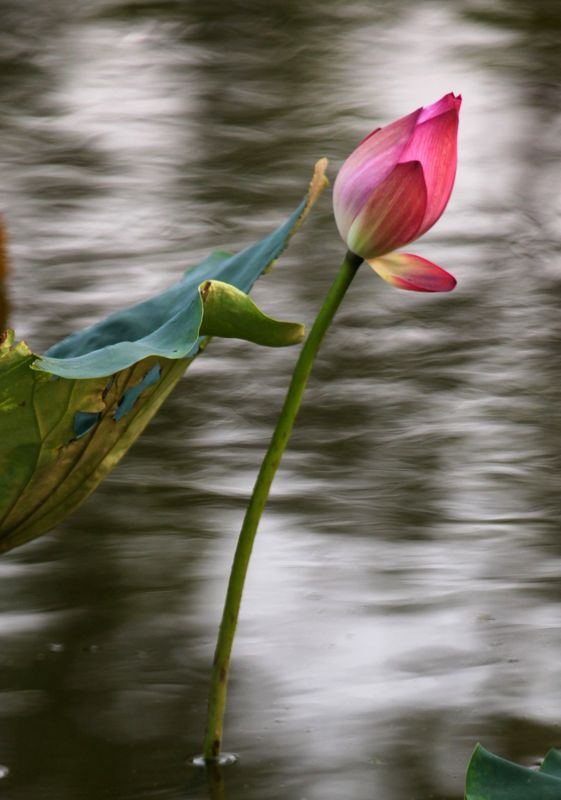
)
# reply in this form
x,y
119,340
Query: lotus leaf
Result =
x,y
492,778
67,417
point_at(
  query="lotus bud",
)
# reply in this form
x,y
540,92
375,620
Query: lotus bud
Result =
x,y
394,187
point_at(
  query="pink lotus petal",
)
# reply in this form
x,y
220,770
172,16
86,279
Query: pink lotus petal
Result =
x,y
447,103
434,144
392,214
370,220
367,166
407,271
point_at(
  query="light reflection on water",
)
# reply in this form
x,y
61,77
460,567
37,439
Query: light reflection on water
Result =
x,y
403,602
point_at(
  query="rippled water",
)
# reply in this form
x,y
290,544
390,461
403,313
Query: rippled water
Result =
x,y
404,597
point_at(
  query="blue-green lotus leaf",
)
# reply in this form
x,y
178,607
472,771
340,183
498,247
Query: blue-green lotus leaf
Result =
x,y
492,778
67,417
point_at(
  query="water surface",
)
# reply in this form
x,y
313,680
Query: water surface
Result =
x,y
404,597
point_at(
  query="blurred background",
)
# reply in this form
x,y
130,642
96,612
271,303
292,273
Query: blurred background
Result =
x,y
404,595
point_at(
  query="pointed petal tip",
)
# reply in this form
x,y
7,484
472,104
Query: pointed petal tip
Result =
x,y
457,100
448,102
413,273
454,99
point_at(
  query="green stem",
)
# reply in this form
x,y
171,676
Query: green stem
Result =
x,y
293,400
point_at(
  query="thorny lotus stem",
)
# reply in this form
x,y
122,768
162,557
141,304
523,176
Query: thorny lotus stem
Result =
x,y
221,664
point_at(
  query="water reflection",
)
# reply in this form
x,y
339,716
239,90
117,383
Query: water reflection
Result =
x,y
216,782
404,599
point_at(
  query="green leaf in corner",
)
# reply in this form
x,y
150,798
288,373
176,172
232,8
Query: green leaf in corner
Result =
x,y
552,764
67,417
492,778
